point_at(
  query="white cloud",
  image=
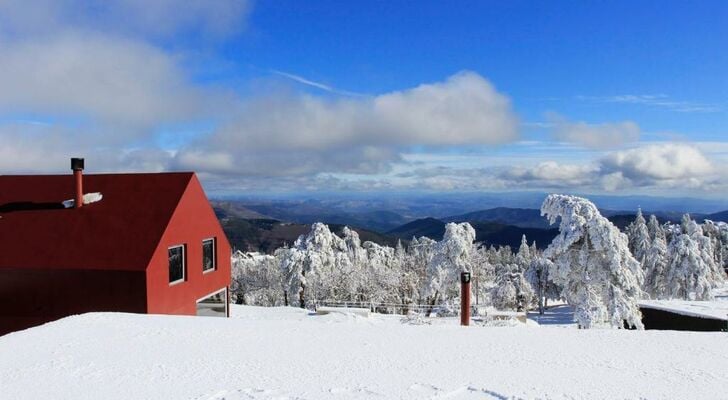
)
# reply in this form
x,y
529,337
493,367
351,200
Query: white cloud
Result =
x,y
39,148
595,136
666,168
552,173
158,19
669,163
88,78
293,133
97,78
465,109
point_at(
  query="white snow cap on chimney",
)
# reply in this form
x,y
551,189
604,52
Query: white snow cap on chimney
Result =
x,y
88,198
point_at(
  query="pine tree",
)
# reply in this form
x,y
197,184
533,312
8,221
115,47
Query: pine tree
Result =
x,y
717,232
688,274
653,226
524,256
639,237
656,262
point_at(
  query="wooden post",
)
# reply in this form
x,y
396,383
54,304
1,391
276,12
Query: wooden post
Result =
x,y
465,298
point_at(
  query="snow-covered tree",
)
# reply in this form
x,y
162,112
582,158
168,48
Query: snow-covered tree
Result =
x,y
717,232
483,275
451,256
639,237
524,256
653,226
511,291
691,272
353,263
256,279
410,277
593,264
290,264
313,263
383,273
537,275
655,264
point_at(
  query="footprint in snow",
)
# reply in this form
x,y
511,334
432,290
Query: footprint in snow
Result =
x,y
252,394
354,393
463,392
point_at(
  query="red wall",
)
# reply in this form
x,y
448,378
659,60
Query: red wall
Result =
x,y
193,221
30,297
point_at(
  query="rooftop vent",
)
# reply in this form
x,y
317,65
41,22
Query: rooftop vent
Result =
x,y
77,167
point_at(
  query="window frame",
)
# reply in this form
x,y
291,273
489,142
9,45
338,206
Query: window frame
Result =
x,y
184,264
214,255
226,300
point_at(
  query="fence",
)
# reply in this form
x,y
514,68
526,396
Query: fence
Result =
x,y
401,309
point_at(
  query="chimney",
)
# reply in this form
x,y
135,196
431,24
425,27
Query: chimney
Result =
x,y
77,167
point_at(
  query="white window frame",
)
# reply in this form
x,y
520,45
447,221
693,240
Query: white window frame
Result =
x,y
214,255
184,264
227,303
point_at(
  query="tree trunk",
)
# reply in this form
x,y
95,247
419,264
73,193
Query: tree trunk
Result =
x,y
285,297
540,299
477,303
432,304
302,292
301,296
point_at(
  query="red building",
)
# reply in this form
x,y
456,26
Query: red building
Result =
x,y
151,244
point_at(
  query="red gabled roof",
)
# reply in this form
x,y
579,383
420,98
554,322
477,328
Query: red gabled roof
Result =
x,y
120,232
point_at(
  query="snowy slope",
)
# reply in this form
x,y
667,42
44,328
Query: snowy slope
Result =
x,y
284,353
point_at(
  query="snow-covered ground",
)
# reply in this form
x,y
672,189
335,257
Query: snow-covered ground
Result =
x,y
286,353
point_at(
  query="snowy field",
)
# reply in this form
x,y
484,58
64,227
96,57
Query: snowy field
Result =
x,y
285,353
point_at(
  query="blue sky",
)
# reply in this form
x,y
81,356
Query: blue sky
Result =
x,y
589,97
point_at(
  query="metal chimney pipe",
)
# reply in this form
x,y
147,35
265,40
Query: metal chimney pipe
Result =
x,y
77,167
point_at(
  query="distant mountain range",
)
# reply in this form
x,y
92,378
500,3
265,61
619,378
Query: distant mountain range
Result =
x,y
268,226
520,217
308,213
490,233
441,205
719,216
266,234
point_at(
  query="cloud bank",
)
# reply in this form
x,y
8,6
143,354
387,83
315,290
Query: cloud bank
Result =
x,y
294,133
108,80
665,167
595,136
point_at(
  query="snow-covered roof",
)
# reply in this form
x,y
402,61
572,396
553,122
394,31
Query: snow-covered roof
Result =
x,y
702,309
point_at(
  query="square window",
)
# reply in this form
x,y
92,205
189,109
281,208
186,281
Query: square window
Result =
x,y
208,255
177,263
